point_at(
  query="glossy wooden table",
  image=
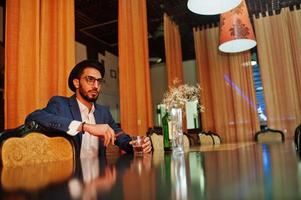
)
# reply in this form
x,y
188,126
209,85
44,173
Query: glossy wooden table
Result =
x,y
229,171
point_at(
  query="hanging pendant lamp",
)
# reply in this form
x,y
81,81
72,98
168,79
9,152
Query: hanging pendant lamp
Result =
x,y
211,7
236,32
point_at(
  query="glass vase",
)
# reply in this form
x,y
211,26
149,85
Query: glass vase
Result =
x,y
176,129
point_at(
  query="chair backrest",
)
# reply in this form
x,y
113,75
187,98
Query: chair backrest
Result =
x,y
298,137
186,142
209,138
28,145
157,140
193,136
268,135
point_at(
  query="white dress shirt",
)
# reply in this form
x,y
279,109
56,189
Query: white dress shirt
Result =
x,y
88,153
89,146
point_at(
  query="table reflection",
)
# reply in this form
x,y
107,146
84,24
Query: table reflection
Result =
x,y
178,177
35,177
231,172
95,179
88,178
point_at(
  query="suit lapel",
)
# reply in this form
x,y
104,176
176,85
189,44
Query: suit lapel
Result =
x,y
75,108
97,114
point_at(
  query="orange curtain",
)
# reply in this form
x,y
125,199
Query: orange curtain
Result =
x,y
39,54
173,51
227,89
279,49
135,93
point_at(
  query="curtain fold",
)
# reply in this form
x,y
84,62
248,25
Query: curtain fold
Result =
x,y
135,93
173,51
279,50
227,89
40,42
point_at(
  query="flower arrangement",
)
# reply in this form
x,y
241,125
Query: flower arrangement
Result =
x,y
180,94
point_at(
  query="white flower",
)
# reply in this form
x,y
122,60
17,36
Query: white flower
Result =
x,y
181,94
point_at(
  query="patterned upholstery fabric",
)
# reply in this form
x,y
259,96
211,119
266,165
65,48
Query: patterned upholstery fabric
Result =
x,y
267,135
209,138
35,148
157,141
30,144
33,158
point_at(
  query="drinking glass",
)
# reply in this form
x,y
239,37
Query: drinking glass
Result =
x,y
137,142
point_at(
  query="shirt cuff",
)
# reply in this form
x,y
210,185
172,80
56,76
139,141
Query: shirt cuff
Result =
x,y
72,129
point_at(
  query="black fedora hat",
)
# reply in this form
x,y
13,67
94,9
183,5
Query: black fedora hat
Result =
x,y
75,72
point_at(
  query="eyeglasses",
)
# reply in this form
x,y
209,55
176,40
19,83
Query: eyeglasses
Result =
x,y
91,80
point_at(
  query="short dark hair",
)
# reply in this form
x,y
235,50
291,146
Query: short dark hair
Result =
x,y
79,68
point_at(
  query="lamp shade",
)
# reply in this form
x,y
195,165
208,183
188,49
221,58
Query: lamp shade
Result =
x,y
211,7
236,32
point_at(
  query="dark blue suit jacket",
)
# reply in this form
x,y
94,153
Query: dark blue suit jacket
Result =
x,y
61,111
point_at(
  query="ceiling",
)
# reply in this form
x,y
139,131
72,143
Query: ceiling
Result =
x,y
96,22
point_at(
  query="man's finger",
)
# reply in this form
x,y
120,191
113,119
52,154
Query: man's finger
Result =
x,y
147,149
112,136
146,139
107,139
145,144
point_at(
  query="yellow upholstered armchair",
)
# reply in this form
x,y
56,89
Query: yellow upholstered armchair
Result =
x,y
30,144
268,135
209,138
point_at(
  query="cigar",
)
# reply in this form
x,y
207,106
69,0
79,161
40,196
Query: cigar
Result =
x,y
118,134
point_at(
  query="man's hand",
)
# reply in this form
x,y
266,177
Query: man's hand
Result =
x,y
147,146
101,130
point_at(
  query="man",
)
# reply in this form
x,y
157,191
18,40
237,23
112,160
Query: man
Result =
x,y
91,124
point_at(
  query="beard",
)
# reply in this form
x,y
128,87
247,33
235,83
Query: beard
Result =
x,y
86,97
